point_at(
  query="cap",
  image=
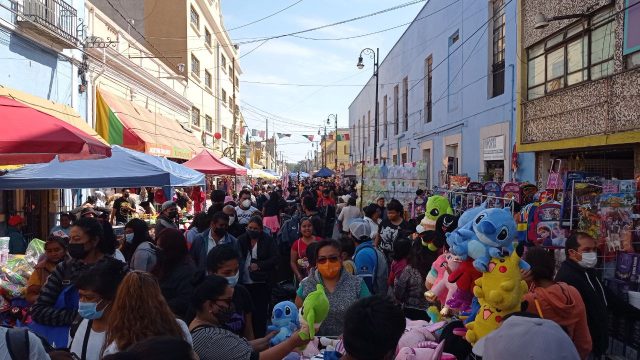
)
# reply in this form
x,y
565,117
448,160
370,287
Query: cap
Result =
x,y
522,337
380,198
166,205
15,220
88,210
359,228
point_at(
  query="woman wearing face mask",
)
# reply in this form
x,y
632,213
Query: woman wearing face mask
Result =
x,y
299,259
139,249
175,271
97,287
139,312
224,261
57,306
342,288
55,252
211,341
261,258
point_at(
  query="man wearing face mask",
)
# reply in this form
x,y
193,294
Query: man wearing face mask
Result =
x,y
167,218
235,228
216,235
245,210
578,271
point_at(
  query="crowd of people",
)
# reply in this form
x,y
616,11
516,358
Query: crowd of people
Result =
x,y
165,292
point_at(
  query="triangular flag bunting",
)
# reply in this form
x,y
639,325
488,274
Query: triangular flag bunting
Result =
x,y
254,132
281,135
261,133
308,137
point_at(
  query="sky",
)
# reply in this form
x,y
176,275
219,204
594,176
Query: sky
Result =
x,y
328,66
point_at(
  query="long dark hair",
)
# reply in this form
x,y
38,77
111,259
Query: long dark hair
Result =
x,y
140,235
173,252
100,230
421,258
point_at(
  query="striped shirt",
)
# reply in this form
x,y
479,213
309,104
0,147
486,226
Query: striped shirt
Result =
x,y
214,343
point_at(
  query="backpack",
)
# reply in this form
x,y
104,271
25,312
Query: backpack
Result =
x,y
288,234
543,224
380,271
17,341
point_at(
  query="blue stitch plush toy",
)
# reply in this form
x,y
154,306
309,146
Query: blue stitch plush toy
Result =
x,y
284,320
494,232
458,240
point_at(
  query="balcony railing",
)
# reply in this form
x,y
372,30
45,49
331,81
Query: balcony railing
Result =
x,y
56,19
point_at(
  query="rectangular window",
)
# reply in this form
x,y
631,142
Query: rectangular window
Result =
x,y
237,82
405,103
403,158
207,79
428,70
395,159
583,51
230,73
497,66
195,18
345,149
454,69
208,123
207,37
369,128
195,116
385,116
396,110
195,66
223,97
223,63
224,133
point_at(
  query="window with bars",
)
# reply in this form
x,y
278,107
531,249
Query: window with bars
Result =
x,y
207,79
230,72
223,63
223,97
498,18
396,109
195,18
385,116
582,51
405,103
224,133
428,70
207,37
208,122
195,66
195,116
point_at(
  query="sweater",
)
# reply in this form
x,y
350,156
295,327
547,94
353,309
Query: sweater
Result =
x,y
587,283
563,304
177,287
409,289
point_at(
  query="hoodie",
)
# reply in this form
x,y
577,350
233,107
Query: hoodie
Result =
x,y
563,304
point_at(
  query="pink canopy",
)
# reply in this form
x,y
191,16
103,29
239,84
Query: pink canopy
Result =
x,y
207,163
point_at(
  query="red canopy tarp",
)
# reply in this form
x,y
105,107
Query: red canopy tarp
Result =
x,y
207,163
31,136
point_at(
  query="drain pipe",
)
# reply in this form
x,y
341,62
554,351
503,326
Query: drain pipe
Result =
x,y
512,134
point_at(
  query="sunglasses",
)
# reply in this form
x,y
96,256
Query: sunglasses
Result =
x,y
331,259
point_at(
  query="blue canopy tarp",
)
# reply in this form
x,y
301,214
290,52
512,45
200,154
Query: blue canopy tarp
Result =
x,y
324,173
125,168
303,175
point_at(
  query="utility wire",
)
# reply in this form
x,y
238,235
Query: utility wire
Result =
x,y
266,17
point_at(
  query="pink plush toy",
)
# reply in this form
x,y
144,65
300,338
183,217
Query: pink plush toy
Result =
x,y
428,351
418,331
442,289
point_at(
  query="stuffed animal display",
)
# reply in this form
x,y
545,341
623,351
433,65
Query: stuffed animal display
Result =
x,y
442,289
285,320
436,206
426,351
314,311
420,341
495,230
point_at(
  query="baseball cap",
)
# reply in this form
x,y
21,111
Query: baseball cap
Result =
x,y
523,337
87,211
359,228
166,205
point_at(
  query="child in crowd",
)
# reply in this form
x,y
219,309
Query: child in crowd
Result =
x,y
348,249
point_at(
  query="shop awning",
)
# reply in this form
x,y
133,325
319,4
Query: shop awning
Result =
x,y
241,170
32,136
324,173
121,122
207,163
125,168
261,174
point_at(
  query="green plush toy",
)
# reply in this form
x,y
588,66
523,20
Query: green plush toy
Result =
x,y
436,206
315,309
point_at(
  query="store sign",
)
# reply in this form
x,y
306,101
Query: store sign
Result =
x,y
493,148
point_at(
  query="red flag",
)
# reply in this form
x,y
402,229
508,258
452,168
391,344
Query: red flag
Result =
x,y
345,137
309,137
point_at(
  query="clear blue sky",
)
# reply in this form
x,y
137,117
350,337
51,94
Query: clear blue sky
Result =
x,y
291,60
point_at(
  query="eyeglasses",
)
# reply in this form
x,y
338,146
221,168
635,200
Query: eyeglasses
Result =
x,y
331,259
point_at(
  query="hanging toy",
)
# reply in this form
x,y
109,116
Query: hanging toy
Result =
x,y
314,311
436,206
285,320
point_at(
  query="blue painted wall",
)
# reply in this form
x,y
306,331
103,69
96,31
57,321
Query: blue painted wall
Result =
x,y
462,105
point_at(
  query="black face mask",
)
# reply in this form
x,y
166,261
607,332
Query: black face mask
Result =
x,y
77,251
172,214
220,232
252,234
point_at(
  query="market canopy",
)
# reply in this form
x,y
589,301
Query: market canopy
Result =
x,y
241,170
34,136
324,173
303,175
351,172
122,122
261,174
125,168
207,163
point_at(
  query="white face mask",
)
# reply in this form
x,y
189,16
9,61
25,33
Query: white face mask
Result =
x,y
233,280
232,219
589,260
246,203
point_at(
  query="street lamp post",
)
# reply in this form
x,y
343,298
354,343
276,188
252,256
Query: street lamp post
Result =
x,y
375,55
335,162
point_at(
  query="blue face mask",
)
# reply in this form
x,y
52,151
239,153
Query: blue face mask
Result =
x,y
89,310
129,238
233,280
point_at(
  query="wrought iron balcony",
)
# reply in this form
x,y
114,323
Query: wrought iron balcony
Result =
x,y
57,20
